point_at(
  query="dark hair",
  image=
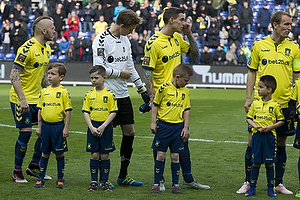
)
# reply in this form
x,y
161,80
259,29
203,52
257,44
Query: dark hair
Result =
x,y
98,68
277,16
269,81
62,69
183,70
128,18
171,12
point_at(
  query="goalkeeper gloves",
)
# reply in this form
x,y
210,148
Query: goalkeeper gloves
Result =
x,y
146,107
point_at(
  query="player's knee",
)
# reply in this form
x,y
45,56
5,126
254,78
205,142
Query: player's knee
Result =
x,y
104,156
95,155
174,157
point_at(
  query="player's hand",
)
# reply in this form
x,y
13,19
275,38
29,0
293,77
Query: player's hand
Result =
x,y
186,28
94,131
125,74
38,132
142,89
24,106
247,105
145,108
65,133
185,134
101,130
153,128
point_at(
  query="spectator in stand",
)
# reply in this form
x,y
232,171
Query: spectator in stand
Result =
x,y
63,46
6,37
160,18
79,13
241,58
118,9
72,43
18,35
62,10
100,25
50,6
246,17
54,47
4,9
27,6
153,22
73,22
145,14
201,27
231,58
80,45
194,12
16,12
90,43
70,55
109,13
98,12
293,11
88,18
138,49
223,35
69,6
140,27
179,3
219,56
234,34
192,60
37,11
59,23
211,12
145,34
263,20
219,22
213,36
206,57
94,4
24,20
156,7
228,22
134,5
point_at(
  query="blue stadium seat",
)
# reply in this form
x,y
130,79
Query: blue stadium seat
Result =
x,y
53,58
270,7
10,56
224,14
212,50
31,18
248,37
62,58
270,2
87,35
58,41
255,14
259,2
257,7
298,7
259,36
1,56
11,49
249,43
279,7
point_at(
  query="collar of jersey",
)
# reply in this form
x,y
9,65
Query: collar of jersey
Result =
x,y
37,42
163,35
260,99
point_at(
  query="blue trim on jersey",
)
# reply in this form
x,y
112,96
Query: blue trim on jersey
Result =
x,y
149,68
84,111
251,69
187,109
19,65
70,109
155,104
53,123
114,111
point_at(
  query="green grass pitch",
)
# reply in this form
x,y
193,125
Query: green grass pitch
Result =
x,y
217,144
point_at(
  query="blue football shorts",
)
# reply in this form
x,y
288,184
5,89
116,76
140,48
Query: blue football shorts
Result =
x,y
125,112
263,148
52,137
168,135
24,120
287,129
103,144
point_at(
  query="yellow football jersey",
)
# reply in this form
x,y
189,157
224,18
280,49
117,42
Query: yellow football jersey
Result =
x,y
54,102
162,55
265,113
280,61
33,57
171,102
99,104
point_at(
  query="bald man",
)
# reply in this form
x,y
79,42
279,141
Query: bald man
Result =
x,y
27,76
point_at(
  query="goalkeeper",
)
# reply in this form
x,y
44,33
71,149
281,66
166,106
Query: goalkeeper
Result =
x,y
295,99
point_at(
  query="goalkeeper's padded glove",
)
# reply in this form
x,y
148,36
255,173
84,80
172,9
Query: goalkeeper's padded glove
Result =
x,y
145,108
142,89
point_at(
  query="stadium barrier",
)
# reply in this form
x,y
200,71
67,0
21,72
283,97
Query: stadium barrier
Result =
x,y
206,76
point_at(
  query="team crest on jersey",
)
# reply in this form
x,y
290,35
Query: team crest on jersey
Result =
x,y
183,96
105,99
100,51
287,52
271,109
146,61
58,94
176,42
249,62
21,57
27,121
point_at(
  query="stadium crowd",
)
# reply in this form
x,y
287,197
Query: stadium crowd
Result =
x,y
225,32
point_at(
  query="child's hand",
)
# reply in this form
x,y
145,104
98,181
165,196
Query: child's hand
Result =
x,y
95,131
38,132
153,128
101,130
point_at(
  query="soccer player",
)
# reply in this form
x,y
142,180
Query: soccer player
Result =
x,y
278,56
162,54
112,50
27,76
169,123
265,115
295,99
54,107
99,109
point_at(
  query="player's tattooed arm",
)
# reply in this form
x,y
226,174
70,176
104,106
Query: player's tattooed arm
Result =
x,y
45,82
194,50
16,82
149,84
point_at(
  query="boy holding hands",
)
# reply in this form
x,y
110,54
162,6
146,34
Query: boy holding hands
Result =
x,y
99,109
265,115
169,122
54,107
